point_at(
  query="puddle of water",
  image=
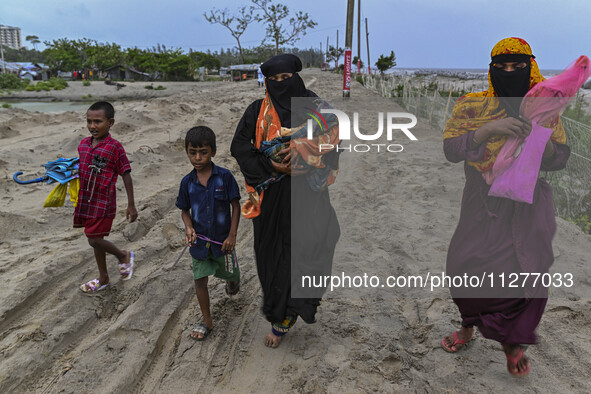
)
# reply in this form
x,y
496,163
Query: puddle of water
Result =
x,y
49,106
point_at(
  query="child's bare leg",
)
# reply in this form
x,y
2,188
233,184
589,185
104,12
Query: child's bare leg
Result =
x,y
101,262
101,247
203,299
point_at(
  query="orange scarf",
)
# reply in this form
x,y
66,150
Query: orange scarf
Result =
x,y
268,127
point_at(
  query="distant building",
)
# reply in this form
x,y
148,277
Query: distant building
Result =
x,y
122,72
10,36
241,72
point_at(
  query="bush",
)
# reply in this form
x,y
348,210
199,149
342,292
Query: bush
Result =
x,y
159,87
30,88
86,83
57,83
43,86
6,105
10,81
149,87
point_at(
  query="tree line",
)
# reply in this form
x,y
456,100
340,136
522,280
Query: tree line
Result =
x,y
283,27
175,64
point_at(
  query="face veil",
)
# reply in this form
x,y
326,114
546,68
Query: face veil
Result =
x,y
281,92
510,86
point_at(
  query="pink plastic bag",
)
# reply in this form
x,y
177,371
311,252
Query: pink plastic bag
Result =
x,y
505,158
519,180
515,171
550,97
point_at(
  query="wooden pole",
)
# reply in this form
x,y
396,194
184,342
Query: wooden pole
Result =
x,y
419,95
3,63
326,52
348,51
367,39
432,105
358,36
337,61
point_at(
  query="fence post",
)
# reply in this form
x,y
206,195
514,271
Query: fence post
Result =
x,y
432,105
447,107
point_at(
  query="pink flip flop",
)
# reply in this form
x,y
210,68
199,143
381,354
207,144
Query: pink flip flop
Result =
x,y
512,362
457,345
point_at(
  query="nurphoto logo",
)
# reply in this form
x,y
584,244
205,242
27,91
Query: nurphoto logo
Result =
x,y
393,124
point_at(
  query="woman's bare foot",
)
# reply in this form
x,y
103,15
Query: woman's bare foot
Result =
x,y
453,343
272,340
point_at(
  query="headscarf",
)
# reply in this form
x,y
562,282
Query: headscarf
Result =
x,y
281,92
474,110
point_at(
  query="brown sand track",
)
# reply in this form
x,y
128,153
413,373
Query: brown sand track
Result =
x,y
397,214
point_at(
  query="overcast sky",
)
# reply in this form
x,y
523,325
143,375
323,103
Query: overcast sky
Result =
x,y
422,33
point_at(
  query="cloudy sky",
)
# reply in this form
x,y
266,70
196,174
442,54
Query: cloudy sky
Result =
x,y
422,33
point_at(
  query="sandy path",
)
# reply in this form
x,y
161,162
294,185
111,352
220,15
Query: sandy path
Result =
x,y
397,214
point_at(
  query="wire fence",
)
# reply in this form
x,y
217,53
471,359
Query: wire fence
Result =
x,y
433,102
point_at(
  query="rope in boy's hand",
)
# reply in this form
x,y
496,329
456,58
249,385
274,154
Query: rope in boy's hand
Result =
x,y
178,259
204,238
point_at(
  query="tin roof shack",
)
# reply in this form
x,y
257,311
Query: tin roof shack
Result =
x,y
34,71
242,72
26,70
121,72
10,67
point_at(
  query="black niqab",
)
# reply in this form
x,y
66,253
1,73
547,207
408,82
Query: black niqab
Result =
x,y
281,92
511,86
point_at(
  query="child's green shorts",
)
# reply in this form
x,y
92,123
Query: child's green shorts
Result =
x,y
216,267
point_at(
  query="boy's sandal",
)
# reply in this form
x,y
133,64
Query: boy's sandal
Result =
x,y
93,286
512,362
126,270
232,289
200,328
456,345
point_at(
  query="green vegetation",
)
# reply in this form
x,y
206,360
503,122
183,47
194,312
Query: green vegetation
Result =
x,y
57,83
576,112
23,55
334,54
10,81
160,62
385,63
54,83
159,87
6,105
583,221
86,83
